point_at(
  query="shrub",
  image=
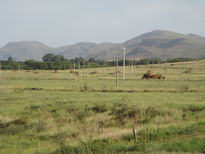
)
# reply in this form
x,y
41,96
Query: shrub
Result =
x,y
81,115
122,113
151,134
194,145
99,108
41,125
184,88
85,87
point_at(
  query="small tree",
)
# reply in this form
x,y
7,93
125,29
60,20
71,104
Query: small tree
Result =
x,y
10,60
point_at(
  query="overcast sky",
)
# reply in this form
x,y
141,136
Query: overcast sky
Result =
x,y
64,22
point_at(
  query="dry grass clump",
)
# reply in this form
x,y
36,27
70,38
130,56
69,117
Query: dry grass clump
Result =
x,y
119,72
111,73
75,72
99,108
188,71
94,72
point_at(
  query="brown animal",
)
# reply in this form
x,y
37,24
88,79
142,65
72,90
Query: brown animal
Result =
x,y
149,75
158,76
146,76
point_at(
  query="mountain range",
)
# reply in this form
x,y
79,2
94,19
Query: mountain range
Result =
x,y
156,44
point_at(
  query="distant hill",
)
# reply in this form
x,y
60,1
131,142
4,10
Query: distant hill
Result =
x,y
164,44
87,50
24,50
158,43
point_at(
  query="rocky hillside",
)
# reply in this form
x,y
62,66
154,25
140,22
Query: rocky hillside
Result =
x,y
153,44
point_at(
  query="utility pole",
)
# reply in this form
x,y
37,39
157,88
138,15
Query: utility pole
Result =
x,y
196,67
19,66
124,50
116,72
181,70
183,65
0,69
166,67
83,69
132,66
147,64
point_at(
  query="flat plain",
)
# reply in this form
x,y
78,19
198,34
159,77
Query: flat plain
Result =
x,y
47,111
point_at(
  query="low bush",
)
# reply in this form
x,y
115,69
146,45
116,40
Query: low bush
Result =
x,y
151,134
99,108
98,147
41,125
184,88
123,112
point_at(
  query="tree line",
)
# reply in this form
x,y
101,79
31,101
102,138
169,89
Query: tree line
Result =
x,y
58,62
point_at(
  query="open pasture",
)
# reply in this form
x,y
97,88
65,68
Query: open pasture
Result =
x,y
61,112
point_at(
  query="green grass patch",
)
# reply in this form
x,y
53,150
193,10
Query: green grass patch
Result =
x,y
194,145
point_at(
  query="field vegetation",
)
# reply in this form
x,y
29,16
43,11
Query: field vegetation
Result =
x,y
48,111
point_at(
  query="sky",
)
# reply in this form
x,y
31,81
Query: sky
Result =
x,y
65,22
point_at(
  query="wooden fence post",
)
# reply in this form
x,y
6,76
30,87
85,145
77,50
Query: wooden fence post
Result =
x,y
134,131
181,70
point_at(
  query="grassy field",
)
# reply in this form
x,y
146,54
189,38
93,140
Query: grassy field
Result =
x,y
63,112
